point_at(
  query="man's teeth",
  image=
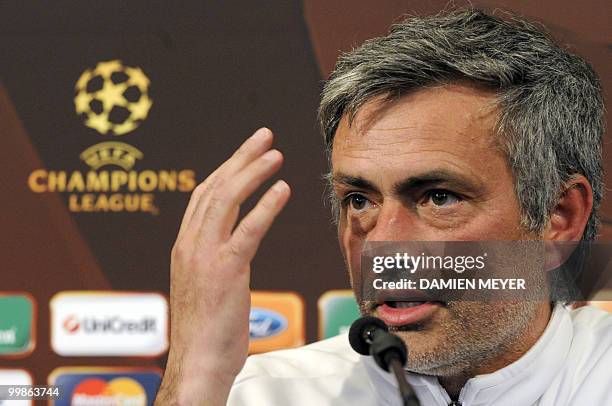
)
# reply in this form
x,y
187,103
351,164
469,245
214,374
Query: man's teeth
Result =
x,y
404,305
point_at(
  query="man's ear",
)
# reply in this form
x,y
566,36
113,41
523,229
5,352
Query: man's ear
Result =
x,y
570,216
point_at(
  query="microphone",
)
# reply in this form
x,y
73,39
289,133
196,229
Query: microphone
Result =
x,y
370,336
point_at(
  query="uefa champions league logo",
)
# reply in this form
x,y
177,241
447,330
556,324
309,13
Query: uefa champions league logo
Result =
x,y
113,98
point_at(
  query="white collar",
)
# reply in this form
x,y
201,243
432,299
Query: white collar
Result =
x,y
521,383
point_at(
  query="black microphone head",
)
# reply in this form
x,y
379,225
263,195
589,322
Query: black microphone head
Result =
x,y
358,330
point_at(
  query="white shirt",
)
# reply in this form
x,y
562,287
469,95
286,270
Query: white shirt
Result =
x,y
569,365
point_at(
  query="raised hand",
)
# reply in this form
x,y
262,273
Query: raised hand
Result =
x,y
210,274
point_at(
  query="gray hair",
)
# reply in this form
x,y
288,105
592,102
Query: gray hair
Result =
x,y
551,120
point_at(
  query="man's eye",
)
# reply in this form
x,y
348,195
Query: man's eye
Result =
x,y
442,198
356,201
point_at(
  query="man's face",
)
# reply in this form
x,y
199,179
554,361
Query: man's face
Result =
x,y
427,167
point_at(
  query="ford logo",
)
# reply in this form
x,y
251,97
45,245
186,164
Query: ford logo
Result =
x,y
264,323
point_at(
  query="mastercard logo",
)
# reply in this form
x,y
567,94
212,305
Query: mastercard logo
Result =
x,y
116,392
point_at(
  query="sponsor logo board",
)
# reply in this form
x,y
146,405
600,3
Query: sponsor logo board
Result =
x,y
337,311
276,321
15,377
95,386
17,324
109,324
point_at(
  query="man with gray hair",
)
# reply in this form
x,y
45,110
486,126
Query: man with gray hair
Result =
x,y
459,126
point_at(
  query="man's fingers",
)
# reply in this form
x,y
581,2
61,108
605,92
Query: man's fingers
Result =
x,y
249,179
222,211
253,147
246,238
197,193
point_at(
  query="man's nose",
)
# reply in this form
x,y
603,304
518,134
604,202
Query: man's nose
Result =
x,y
395,222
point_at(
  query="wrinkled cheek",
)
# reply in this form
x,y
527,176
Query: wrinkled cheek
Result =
x,y
352,246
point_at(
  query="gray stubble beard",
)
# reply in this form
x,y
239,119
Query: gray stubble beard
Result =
x,y
477,333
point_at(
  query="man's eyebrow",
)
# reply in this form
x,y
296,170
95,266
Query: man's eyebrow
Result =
x,y
435,177
354,181
427,179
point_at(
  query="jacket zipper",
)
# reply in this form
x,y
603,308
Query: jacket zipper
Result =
x,y
459,400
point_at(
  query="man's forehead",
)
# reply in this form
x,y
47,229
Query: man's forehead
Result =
x,y
456,114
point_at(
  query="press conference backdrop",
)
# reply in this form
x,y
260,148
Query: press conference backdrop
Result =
x,y
112,112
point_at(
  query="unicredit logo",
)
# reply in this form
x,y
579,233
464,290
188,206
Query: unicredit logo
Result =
x,y
71,324
111,325
103,323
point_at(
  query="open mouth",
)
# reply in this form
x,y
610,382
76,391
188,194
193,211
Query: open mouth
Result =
x,y
406,304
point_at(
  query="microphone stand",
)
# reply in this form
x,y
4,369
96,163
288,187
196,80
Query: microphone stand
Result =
x,y
406,392
370,336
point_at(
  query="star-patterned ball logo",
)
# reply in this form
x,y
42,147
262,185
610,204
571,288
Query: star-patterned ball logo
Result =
x,y
113,98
